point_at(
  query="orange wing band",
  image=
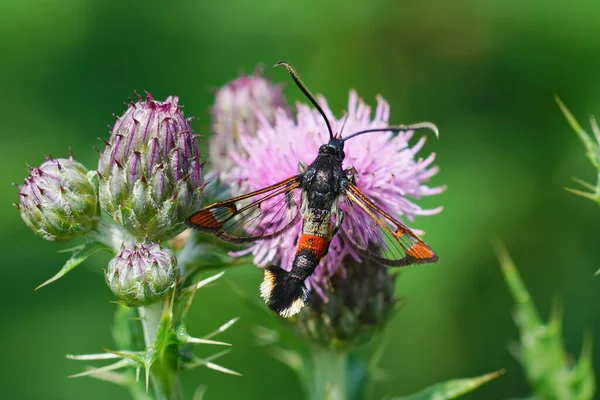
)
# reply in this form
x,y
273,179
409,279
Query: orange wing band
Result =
x,y
420,251
205,219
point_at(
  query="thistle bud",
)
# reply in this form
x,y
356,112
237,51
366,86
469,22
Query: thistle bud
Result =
x,y
57,201
235,111
151,177
142,274
360,300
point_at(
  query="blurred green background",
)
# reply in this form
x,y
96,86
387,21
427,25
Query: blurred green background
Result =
x,y
484,71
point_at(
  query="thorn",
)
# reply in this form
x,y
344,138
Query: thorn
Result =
x,y
62,189
222,328
147,377
115,116
57,165
118,163
17,205
137,95
89,357
24,195
106,142
206,341
97,150
99,174
70,153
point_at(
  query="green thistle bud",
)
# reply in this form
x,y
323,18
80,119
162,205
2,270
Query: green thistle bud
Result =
x,y
360,301
236,109
151,177
57,201
142,274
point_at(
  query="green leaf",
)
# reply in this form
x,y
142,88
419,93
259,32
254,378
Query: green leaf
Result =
x,y
547,364
127,331
164,332
80,253
592,147
452,389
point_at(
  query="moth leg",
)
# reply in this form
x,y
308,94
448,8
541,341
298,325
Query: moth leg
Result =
x,y
290,204
338,223
351,174
302,166
336,228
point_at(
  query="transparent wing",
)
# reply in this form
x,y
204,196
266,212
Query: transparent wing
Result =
x,y
262,214
376,235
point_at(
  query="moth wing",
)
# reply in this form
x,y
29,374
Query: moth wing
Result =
x,y
262,214
377,235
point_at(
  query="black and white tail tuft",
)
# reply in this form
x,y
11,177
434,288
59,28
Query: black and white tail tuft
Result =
x,y
283,293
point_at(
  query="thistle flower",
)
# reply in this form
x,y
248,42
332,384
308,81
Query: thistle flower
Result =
x,y
387,171
358,304
142,274
57,201
235,113
151,176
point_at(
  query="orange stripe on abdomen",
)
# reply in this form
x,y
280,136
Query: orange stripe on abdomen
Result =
x,y
314,244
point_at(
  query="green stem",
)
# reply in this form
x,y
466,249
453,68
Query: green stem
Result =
x,y
111,234
164,376
328,374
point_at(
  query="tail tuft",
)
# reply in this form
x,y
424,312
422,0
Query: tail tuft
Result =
x,y
284,294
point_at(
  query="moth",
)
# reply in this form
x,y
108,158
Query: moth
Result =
x,y
314,196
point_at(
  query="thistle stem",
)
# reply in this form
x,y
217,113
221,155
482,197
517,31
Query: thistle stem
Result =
x,y
328,374
111,234
164,376
150,316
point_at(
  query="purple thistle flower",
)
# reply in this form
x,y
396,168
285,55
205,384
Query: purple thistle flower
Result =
x,y
235,113
387,171
57,201
142,274
151,176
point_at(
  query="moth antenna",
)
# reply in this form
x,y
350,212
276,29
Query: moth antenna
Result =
x,y
343,125
399,128
306,92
